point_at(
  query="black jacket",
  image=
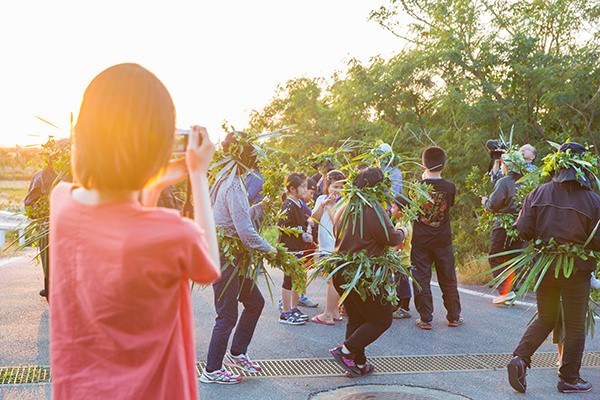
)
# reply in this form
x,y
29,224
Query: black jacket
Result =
x,y
373,239
292,217
564,211
501,201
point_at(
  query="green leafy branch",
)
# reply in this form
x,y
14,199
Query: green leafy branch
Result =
x,y
367,276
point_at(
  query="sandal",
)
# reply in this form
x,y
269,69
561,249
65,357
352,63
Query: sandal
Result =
x,y
317,320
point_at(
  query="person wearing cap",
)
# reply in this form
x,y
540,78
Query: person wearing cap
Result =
x,y
567,210
432,244
500,202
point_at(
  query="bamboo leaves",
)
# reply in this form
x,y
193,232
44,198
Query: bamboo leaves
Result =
x,y
366,276
251,262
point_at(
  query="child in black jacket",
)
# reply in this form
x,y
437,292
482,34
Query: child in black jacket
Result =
x,y
293,216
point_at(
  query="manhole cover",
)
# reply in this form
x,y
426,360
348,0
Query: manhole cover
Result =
x,y
385,392
387,396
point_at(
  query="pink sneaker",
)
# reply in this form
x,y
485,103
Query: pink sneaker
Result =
x,y
221,376
242,362
345,361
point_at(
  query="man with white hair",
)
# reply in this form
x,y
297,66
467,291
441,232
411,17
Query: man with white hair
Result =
x,y
529,153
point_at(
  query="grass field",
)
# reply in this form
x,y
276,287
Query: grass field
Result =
x,y
12,194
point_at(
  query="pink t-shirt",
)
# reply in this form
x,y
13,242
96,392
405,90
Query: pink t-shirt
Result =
x,y
121,324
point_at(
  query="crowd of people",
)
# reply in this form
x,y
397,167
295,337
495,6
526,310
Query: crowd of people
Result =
x,y
121,320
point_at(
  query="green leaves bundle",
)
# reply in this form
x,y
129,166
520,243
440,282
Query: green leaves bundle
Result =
x,y
251,262
367,276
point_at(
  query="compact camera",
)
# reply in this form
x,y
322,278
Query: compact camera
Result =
x,y
495,149
181,140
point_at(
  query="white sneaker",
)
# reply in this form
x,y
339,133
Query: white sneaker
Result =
x,y
221,376
505,298
242,362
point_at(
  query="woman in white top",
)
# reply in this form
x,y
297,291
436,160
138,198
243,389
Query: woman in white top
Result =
x,y
323,213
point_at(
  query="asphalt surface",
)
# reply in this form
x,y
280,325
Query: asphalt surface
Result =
x,y
488,329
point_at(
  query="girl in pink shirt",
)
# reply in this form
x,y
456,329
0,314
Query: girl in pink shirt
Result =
x,y
120,310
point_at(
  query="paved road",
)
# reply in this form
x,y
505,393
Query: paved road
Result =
x,y
488,329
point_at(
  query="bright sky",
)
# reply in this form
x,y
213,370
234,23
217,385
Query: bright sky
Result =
x,y
219,59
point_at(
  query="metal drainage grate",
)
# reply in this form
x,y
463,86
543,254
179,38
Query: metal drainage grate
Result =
x,y
25,374
327,367
405,364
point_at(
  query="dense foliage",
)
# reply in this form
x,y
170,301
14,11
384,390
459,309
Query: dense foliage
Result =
x,y
465,71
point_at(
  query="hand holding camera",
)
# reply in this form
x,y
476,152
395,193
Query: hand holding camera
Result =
x,y
495,149
199,150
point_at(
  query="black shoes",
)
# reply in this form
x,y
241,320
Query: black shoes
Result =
x,y
516,378
516,374
579,386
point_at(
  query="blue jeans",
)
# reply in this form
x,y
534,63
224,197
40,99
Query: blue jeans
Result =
x,y
228,291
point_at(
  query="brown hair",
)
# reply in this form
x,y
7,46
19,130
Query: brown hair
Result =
x,y
331,177
125,130
294,180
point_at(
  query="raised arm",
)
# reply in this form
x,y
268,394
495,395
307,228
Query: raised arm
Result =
x,y
198,156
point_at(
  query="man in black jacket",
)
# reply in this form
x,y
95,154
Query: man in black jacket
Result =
x,y
567,210
501,201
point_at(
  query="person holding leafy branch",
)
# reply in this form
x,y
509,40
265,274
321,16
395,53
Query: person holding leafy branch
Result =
x,y
121,323
323,213
370,232
403,285
502,202
561,218
233,215
293,234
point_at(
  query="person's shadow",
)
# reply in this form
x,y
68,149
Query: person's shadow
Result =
x,y
43,340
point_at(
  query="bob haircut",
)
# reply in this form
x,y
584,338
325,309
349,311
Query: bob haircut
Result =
x,y
332,176
294,180
125,130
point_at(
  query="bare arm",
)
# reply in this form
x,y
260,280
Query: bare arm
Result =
x,y
198,155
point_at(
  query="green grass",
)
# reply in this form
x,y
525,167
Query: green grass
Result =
x,y
12,194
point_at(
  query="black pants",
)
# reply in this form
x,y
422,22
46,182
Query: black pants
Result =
x,y
403,292
45,257
499,243
367,320
575,293
423,260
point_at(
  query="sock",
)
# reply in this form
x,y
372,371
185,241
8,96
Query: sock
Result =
x,y
361,366
345,350
234,353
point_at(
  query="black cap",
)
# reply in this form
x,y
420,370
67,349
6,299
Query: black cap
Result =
x,y
368,177
575,148
311,184
434,158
